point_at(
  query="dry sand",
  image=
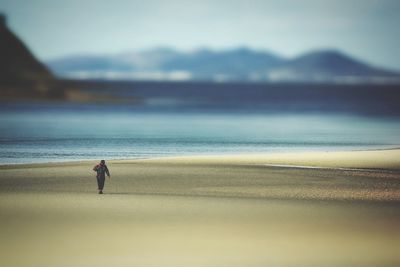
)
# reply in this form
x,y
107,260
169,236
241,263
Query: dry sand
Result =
x,y
242,210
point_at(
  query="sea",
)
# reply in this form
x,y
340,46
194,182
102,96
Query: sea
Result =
x,y
174,119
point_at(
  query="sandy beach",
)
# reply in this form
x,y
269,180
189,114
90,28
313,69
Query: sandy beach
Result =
x,y
278,209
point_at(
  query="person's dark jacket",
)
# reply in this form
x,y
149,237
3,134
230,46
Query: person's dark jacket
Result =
x,y
101,170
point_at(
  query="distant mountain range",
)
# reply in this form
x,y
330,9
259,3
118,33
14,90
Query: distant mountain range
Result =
x,y
242,64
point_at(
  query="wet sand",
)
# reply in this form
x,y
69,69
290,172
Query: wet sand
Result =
x,y
282,209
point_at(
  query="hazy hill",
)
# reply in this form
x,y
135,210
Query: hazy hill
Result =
x,y
330,65
21,74
240,64
168,64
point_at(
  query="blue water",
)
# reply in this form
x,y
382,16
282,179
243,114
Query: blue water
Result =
x,y
52,135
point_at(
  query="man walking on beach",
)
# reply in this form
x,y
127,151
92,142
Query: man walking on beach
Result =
x,y
101,170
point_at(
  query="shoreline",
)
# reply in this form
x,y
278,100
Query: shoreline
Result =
x,y
357,160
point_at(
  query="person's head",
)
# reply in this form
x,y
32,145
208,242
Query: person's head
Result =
x,y
102,162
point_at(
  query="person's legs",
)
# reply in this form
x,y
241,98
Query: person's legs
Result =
x,y
100,183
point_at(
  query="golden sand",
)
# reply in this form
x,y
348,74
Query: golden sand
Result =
x,y
238,210
369,159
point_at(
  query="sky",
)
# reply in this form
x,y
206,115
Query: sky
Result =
x,y
365,29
